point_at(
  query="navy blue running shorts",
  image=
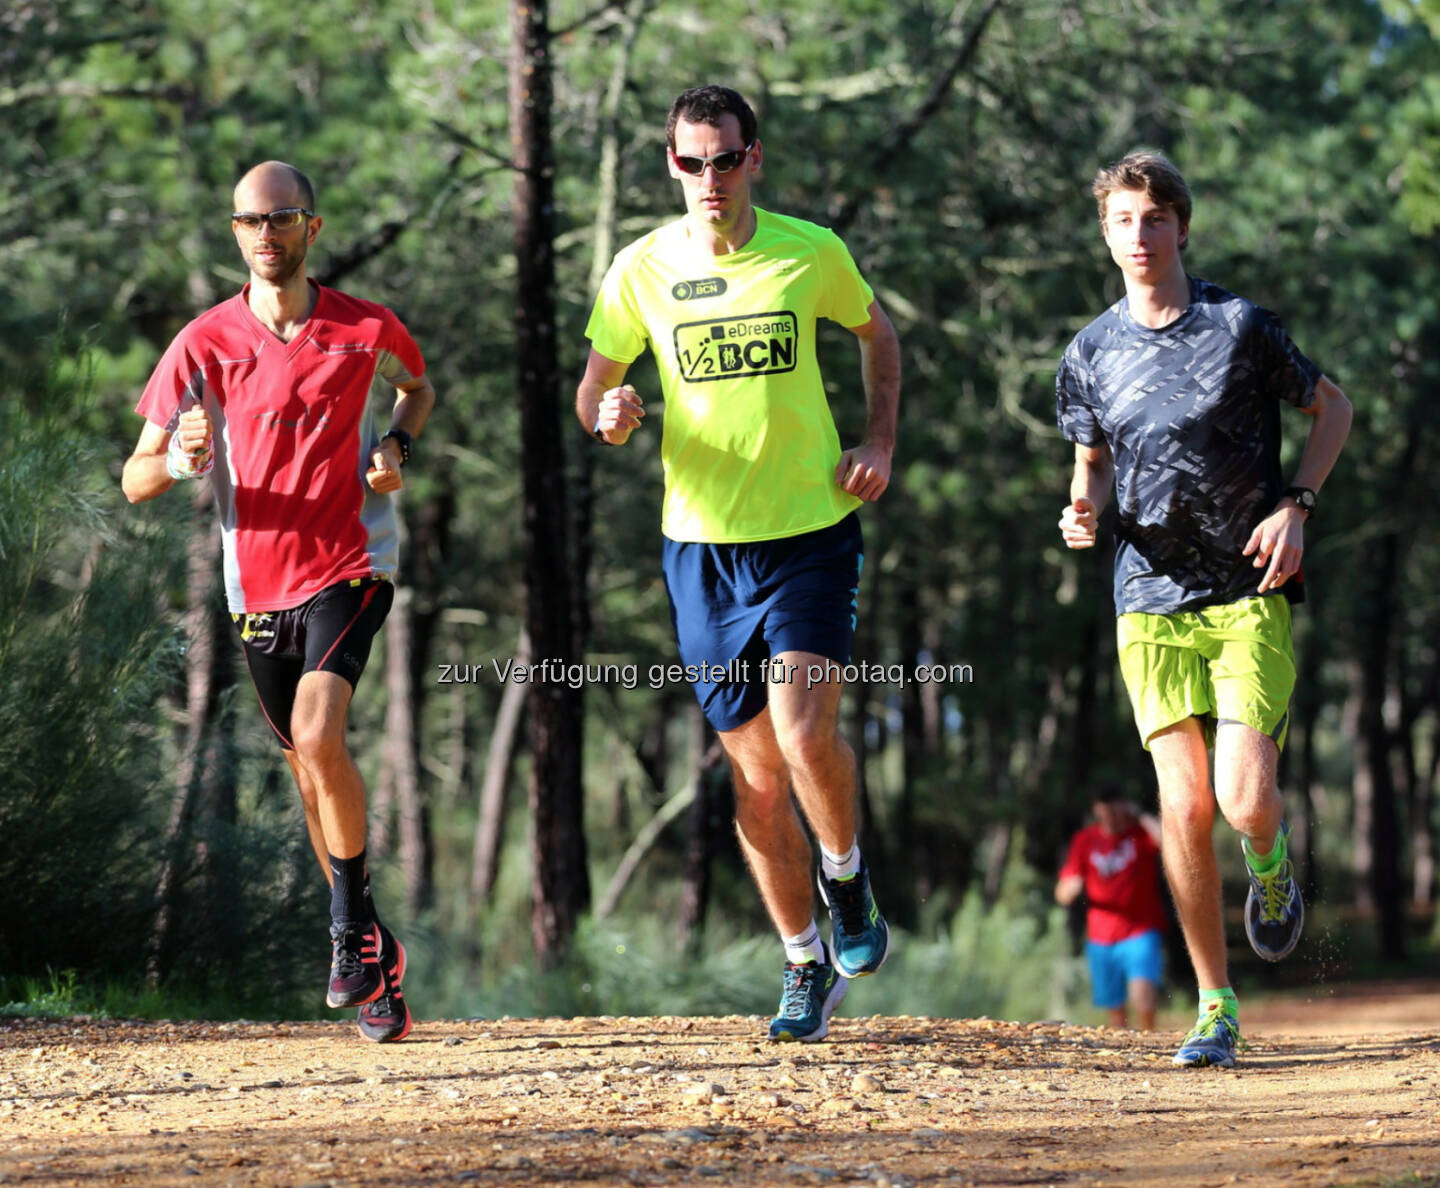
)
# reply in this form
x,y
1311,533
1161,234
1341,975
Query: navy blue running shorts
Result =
x,y
735,606
331,632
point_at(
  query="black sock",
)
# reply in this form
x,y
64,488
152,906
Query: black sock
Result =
x,y
347,896
370,912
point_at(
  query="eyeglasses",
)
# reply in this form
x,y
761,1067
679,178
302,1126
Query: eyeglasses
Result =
x,y
723,162
281,220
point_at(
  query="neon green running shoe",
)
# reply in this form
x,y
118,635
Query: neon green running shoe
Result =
x,y
1274,909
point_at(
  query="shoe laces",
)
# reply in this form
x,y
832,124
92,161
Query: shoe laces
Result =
x,y
795,994
386,1006
350,945
1276,890
848,900
1211,1022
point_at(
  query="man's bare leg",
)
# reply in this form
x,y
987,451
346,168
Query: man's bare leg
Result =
x,y
1187,819
771,836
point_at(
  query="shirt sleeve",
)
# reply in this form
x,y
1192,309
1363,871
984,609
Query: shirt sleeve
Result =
x,y
616,329
176,385
1075,860
846,297
1073,413
399,360
1284,372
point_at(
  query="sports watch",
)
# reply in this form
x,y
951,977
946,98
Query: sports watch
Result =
x,y
1304,498
406,443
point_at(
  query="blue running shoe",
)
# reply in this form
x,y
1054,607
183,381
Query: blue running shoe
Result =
x,y
1274,910
807,1000
859,936
1211,1041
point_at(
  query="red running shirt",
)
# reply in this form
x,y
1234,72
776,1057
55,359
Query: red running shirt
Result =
x,y
293,440
1121,874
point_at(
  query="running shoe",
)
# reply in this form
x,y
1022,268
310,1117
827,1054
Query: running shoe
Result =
x,y
387,1019
355,976
1274,910
1211,1041
859,936
808,998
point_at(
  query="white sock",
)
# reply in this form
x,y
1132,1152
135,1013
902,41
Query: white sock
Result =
x,y
805,946
840,866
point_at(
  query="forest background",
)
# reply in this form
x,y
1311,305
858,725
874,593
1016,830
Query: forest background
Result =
x,y
547,848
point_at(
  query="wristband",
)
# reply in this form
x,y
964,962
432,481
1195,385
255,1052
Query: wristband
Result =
x,y
181,464
404,440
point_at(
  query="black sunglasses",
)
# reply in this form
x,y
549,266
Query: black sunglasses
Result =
x,y
723,162
282,219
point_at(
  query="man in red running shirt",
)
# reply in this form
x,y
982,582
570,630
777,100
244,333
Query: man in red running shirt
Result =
x,y
1115,862
268,394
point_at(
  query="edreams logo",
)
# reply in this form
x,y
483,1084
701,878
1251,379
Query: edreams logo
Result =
x,y
710,286
729,348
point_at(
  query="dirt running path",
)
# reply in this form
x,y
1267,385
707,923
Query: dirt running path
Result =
x,y
887,1101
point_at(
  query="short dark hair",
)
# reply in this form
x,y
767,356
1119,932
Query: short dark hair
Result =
x,y
1149,171
709,105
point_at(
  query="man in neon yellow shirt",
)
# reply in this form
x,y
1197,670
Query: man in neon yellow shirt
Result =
x,y
762,547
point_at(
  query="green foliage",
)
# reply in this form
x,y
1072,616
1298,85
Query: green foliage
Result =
x,y
1002,962
58,996
1308,131
62,994
82,658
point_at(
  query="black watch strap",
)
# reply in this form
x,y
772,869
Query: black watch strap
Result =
x,y
406,442
1304,498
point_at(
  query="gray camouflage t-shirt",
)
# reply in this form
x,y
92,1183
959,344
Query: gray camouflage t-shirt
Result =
x,y
1191,413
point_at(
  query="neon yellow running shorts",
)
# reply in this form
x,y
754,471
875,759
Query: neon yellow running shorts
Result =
x,y
1229,663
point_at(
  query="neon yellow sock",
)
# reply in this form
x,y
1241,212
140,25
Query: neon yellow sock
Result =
x,y
1264,864
1225,996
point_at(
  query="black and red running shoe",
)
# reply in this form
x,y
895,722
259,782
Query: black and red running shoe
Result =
x,y
355,976
387,1019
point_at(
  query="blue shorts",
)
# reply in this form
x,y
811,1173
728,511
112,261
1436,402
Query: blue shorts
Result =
x,y
1114,967
735,606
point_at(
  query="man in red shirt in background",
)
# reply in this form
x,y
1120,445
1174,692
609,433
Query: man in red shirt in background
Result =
x,y
1116,863
268,393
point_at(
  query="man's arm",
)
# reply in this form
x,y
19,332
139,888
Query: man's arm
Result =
x,y
1279,540
865,471
1068,888
1090,484
147,473
1151,824
414,399
603,405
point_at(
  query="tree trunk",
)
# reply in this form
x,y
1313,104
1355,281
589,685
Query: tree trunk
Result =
x,y
1423,834
402,750
561,884
607,183
1362,798
206,770
1374,776
490,825
914,751
699,832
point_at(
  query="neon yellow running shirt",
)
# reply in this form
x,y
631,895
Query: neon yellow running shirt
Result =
x,y
749,446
